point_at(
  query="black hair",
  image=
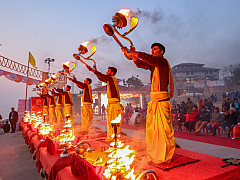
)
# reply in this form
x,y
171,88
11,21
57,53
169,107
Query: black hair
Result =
x,y
161,47
90,80
69,87
113,69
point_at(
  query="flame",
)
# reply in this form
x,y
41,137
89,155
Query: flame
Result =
x,y
67,64
119,144
125,12
93,49
45,129
134,22
65,138
54,76
48,80
117,120
67,135
27,117
85,43
119,166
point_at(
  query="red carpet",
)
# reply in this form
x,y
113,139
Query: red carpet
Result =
x,y
216,140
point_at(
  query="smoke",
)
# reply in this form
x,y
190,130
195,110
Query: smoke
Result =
x,y
154,26
154,16
102,40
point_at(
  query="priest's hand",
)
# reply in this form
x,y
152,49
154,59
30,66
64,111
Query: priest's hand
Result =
x,y
124,49
89,68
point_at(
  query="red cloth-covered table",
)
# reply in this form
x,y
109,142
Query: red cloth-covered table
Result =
x,y
60,168
24,130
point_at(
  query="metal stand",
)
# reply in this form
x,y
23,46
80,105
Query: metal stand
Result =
x,y
64,154
115,126
43,139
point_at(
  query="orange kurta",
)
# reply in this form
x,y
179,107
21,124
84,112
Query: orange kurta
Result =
x,y
159,130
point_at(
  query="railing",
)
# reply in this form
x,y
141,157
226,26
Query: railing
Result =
x,y
8,63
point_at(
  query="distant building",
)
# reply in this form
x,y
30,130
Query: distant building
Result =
x,y
192,78
137,97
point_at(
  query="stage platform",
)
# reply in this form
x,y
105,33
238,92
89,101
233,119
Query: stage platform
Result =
x,y
200,166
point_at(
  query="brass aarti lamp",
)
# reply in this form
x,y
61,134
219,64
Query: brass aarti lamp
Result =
x,y
66,69
120,20
83,50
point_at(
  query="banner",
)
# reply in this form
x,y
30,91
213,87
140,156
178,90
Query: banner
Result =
x,y
36,104
19,78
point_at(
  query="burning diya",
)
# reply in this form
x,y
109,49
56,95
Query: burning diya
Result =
x,y
27,117
119,166
120,20
66,137
44,129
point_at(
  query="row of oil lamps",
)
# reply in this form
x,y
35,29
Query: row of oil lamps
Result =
x,y
65,137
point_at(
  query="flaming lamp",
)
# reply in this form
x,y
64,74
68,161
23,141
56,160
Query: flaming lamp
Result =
x,y
26,117
120,20
66,136
83,50
66,69
45,130
119,166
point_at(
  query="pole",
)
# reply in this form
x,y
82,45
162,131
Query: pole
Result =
x,y
26,89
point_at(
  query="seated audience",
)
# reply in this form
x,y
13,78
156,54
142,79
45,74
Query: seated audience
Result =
x,y
178,119
204,119
193,118
215,119
236,104
229,121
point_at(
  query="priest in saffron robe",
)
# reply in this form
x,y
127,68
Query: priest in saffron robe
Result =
x,y
87,110
114,107
51,109
59,106
159,131
67,110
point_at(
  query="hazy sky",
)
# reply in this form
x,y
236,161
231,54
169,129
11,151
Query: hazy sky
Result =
x,y
199,31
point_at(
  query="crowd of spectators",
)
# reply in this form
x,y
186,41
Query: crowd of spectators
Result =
x,y
134,116
196,117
